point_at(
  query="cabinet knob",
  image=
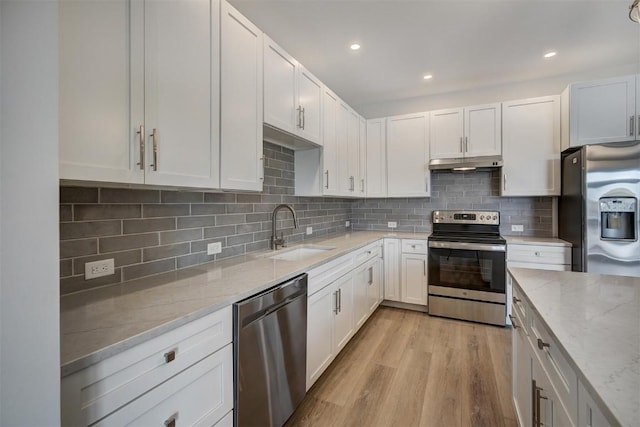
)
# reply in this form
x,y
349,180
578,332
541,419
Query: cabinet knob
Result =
x,y
171,421
542,344
516,299
170,356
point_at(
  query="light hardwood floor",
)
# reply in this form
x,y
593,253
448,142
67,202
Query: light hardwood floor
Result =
x,y
404,368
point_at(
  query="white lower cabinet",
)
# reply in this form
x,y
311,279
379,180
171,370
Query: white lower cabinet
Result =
x,y
338,307
414,279
392,269
589,414
521,372
186,374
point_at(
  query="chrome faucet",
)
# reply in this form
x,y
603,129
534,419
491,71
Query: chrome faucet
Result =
x,y
275,241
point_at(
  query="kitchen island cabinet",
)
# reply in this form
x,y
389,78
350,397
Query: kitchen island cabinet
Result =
x,y
576,340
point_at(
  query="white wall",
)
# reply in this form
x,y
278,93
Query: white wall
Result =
x,y
29,294
485,95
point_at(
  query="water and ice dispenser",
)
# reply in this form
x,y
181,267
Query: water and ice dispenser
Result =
x,y
618,218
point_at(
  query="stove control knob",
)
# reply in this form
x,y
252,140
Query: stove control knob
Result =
x,y
495,217
482,217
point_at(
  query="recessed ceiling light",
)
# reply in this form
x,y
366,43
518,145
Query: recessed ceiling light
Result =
x,y
550,54
355,46
427,77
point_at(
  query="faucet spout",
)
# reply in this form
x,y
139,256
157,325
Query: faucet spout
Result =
x,y
275,241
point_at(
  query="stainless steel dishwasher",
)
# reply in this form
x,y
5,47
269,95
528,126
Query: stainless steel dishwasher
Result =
x,y
270,351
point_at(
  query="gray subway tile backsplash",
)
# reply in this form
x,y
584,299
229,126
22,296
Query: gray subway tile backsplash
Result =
x,y
153,231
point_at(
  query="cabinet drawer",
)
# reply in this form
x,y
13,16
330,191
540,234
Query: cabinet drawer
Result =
x,y
560,373
520,308
321,276
95,392
373,250
201,395
410,246
535,254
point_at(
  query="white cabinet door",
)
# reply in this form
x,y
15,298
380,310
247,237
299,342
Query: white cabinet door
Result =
x,y
602,111
521,357
552,413
446,133
361,187
310,105
342,145
343,326
392,269
353,152
408,156
320,313
376,158
181,92
414,279
361,282
101,83
279,87
330,111
589,414
241,95
531,147
375,291
482,130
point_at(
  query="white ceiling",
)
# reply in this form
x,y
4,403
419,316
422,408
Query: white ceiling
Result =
x,y
464,44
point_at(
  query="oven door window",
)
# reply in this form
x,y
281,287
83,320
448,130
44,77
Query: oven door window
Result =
x,y
467,269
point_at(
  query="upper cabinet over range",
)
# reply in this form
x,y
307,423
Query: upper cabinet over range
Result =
x,y
466,132
138,102
292,95
601,111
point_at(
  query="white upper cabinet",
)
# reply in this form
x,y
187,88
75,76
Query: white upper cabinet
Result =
x,y
376,158
531,149
343,114
353,152
600,111
466,132
241,95
138,92
330,150
362,158
446,134
408,156
292,95
181,65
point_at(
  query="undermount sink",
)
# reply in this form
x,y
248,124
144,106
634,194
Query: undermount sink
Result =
x,y
300,252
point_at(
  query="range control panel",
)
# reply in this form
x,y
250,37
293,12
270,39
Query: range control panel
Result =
x,y
466,217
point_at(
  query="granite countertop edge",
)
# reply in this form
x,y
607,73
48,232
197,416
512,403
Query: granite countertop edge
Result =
x,y
83,359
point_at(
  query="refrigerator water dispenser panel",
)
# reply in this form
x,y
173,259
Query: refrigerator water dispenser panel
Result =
x,y
618,218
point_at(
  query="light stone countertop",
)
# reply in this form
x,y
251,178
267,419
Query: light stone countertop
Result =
x,y
99,323
595,318
543,241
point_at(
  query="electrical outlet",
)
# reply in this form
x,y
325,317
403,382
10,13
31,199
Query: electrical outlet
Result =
x,y
392,224
214,248
515,227
100,268
347,224
309,230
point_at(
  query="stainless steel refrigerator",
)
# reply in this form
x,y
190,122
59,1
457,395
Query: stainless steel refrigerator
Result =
x,y
598,207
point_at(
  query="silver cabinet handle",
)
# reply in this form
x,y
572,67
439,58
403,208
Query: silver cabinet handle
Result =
x,y
542,344
370,275
303,118
424,267
538,397
299,123
154,136
461,146
262,160
326,185
171,421
340,300
335,301
631,125
513,322
466,144
140,133
362,185
353,184
170,356
504,182
639,124
516,300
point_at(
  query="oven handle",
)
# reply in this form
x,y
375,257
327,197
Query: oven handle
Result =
x,y
467,246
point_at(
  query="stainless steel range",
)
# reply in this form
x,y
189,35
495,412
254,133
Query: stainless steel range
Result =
x,y
467,259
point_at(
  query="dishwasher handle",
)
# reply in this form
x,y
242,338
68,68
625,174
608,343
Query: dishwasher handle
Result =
x,y
265,303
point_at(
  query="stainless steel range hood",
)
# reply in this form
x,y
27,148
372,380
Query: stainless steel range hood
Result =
x,y
467,164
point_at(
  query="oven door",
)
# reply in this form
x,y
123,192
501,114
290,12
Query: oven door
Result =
x,y
477,267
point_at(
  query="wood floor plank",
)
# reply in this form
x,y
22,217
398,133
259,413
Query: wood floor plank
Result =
x,y
408,369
